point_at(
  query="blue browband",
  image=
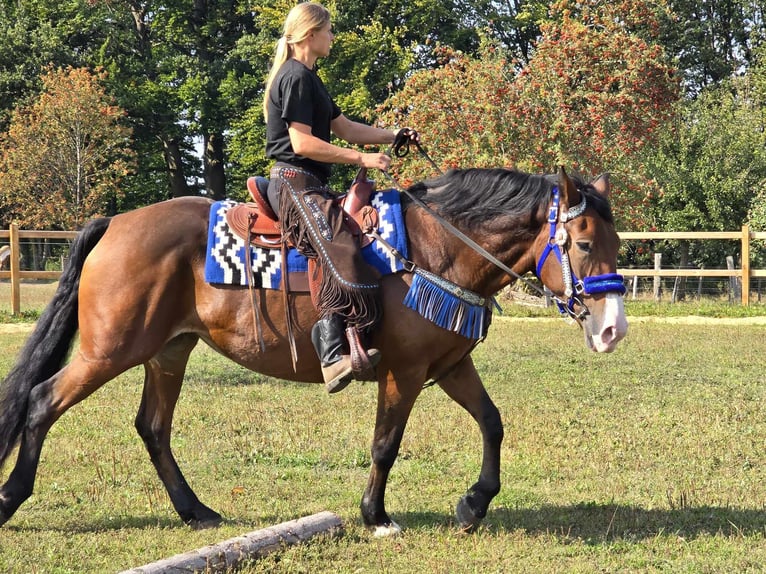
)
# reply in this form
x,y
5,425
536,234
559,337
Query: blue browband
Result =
x,y
573,287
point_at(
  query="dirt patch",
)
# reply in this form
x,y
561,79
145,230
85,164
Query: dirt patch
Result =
x,y
696,320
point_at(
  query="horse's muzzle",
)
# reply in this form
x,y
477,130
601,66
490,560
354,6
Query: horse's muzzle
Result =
x,y
604,330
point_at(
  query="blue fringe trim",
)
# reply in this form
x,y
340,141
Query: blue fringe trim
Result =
x,y
447,310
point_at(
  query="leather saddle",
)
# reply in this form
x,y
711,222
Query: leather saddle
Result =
x,y
257,223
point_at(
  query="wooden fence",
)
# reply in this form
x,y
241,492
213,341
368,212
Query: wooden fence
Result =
x,y
743,274
15,274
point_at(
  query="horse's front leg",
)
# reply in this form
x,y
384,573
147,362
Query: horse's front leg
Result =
x,y
464,386
395,400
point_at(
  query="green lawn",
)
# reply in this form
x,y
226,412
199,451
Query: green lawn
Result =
x,y
650,459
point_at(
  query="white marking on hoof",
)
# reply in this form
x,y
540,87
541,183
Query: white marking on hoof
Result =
x,y
391,530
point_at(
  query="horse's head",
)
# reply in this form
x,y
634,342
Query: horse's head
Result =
x,y
576,254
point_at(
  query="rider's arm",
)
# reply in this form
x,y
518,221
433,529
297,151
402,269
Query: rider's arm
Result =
x,y
312,147
359,133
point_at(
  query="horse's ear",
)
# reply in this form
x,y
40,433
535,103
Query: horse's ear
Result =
x,y
602,185
567,189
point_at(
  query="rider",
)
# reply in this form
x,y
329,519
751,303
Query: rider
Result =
x,y
300,116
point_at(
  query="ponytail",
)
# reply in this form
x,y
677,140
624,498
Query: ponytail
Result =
x,y
281,55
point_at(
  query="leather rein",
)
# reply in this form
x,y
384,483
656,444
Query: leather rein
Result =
x,y
574,287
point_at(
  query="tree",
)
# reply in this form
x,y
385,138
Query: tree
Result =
x,y
709,168
712,40
757,211
595,93
65,154
27,45
710,161
515,24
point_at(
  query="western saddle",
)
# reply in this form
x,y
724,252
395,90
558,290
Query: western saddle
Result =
x,y
257,223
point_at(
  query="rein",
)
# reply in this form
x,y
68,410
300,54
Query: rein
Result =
x,y
446,224
574,288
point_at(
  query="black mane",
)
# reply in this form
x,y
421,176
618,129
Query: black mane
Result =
x,y
474,196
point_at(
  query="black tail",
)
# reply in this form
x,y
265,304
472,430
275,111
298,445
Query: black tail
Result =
x,y
49,344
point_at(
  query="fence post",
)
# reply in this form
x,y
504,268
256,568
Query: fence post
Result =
x,y
15,270
745,264
733,283
657,278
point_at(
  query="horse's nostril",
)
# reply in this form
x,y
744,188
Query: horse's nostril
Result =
x,y
608,335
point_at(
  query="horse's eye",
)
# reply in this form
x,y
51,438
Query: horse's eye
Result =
x,y
584,246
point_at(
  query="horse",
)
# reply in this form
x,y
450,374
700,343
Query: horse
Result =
x,y
134,289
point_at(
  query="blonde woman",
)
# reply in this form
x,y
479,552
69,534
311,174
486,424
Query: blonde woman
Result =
x,y
300,118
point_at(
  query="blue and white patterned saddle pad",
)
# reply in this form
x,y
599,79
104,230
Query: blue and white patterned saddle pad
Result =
x,y
225,261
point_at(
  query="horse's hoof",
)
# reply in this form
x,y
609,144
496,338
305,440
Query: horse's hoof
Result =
x,y
387,530
203,519
466,516
5,516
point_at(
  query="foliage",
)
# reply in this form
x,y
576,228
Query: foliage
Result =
x,y
515,25
596,91
458,130
65,154
577,79
710,161
714,40
26,46
594,94
709,167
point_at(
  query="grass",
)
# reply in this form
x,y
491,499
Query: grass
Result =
x,y
650,459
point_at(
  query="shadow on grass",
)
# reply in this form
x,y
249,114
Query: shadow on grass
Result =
x,y
100,525
85,526
605,523
589,523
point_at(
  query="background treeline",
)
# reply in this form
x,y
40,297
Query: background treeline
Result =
x,y
108,105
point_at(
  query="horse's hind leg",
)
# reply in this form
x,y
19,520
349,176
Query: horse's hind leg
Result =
x,y
464,386
47,402
162,386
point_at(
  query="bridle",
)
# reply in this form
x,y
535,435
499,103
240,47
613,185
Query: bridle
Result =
x,y
574,288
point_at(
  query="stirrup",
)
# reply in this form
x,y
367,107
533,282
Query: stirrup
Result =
x,y
363,362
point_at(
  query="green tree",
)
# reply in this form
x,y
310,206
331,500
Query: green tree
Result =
x,y
27,45
709,161
595,93
709,166
65,154
713,40
757,211
514,24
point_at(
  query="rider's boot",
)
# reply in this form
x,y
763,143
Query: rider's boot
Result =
x,y
330,343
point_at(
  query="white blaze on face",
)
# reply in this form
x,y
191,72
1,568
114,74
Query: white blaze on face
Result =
x,y
613,327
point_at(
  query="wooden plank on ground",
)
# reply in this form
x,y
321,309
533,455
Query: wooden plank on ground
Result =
x,y
228,554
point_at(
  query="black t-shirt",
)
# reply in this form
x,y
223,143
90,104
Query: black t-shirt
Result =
x,y
298,95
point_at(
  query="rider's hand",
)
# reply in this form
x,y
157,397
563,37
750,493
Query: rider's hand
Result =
x,y
376,160
405,135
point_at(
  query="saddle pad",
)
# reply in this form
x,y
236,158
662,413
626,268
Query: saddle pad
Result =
x,y
225,261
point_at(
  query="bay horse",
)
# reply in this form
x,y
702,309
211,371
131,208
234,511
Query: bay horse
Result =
x,y
134,288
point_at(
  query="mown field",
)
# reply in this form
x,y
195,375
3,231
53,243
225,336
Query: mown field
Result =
x,y
650,459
